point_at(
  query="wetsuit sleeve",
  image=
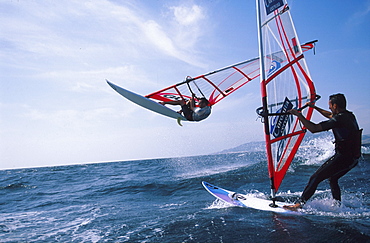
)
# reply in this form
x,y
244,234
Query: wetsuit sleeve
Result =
x,y
329,124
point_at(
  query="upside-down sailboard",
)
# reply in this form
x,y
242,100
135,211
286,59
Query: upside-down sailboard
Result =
x,y
146,102
285,84
214,86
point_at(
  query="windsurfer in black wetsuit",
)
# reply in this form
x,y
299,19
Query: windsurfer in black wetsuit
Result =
x,y
190,110
347,146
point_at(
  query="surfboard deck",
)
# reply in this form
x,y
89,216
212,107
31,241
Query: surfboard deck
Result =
x,y
147,103
241,200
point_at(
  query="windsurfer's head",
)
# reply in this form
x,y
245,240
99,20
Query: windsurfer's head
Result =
x,y
203,102
339,100
337,103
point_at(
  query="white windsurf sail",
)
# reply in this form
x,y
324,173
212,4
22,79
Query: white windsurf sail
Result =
x,y
285,84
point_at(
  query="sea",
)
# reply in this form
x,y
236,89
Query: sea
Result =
x,y
162,200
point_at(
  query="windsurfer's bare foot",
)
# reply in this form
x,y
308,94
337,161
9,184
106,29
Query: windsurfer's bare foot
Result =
x,y
294,207
162,103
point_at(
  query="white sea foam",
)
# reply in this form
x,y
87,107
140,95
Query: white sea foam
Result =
x,y
193,167
219,204
46,225
365,149
316,149
352,208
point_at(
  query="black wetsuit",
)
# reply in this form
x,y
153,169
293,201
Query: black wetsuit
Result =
x,y
188,113
197,115
347,149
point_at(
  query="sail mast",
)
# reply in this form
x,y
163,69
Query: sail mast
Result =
x,y
264,102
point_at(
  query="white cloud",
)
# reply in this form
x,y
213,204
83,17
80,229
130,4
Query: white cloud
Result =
x,y
189,25
86,33
154,32
188,15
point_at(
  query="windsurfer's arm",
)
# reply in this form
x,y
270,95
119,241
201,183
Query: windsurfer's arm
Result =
x,y
179,102
323,112
312,127
192,103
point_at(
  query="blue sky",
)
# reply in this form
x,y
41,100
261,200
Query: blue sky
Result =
x,y
55,107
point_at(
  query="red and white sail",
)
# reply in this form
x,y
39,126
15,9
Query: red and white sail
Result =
x,y
218,84
285,84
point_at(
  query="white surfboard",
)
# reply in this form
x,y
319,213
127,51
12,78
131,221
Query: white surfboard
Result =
x,y
147,103
241,200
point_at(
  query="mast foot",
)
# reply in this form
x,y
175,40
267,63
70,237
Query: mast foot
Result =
x,y
273,204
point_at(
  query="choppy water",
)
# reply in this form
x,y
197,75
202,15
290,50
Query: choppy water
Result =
x,y
162,200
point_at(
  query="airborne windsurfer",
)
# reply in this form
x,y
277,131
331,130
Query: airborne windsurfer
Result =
x,y
347,146
190,110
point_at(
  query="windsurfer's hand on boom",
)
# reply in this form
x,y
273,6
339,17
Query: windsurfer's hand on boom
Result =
x,y
312,127
294,112
310,104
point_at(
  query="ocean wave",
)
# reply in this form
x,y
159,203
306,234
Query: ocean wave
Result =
x,y
15,186
162,200
63,224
